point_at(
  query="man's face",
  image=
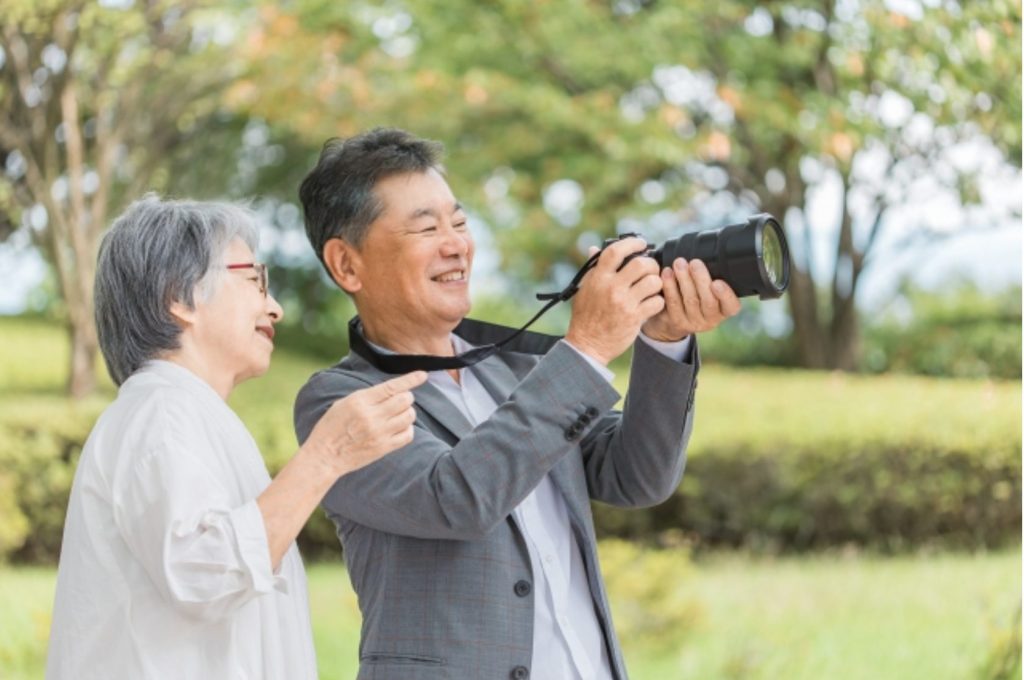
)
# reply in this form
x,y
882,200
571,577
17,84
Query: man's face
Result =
x,y
414,263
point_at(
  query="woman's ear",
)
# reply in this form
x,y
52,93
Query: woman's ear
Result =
x,y
342,261
184,315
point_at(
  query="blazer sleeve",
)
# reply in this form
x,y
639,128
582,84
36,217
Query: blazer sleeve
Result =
x,y
636,459
430,489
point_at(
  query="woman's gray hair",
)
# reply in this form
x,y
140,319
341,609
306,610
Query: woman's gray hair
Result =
x,y
156,253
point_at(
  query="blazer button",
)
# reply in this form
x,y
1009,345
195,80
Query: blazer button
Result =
x,y
522,588
591,411
519,673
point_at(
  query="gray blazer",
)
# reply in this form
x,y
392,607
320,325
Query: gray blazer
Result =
x,y
439,565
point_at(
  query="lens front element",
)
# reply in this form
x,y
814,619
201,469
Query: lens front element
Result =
x,y
772,256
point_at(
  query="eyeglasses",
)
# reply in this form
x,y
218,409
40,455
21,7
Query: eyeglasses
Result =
x,y
261,272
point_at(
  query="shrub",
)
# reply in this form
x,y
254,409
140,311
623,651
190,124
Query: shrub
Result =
x,y
796,460
961,332
650,603
888,496
1003,661
41,439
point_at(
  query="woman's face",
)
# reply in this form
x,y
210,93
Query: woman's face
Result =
x,y
233,329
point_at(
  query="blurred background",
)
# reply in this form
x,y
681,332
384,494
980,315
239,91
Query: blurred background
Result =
x,y
852,503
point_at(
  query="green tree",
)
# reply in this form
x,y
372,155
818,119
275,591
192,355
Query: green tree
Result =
x,y
962,332
100,102
568,120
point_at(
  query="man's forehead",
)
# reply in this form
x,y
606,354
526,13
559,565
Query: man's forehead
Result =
x,y
415,195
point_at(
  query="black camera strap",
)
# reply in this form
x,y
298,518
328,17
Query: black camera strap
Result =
x,y
475,332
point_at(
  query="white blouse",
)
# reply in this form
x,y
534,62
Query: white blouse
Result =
x,y
165,568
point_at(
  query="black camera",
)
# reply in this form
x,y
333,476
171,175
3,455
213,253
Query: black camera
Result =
x,y
752,257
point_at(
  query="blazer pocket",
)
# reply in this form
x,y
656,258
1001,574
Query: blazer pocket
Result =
x,y
400,659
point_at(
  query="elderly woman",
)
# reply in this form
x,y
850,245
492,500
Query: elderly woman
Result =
x,y
179,558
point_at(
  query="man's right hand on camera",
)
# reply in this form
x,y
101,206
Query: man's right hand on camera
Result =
x,y
612,303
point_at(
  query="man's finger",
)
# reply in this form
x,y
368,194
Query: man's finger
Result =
x,y
639,268
647,286
687,290
614,255
670,290
727,299
702,280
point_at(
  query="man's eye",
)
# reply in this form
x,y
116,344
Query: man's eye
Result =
x,y
460,225
426,230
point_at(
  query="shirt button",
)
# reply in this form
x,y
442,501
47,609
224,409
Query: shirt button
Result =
x,y
549,559
520,673
522,588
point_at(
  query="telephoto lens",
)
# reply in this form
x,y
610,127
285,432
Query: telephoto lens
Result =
x,y
752,257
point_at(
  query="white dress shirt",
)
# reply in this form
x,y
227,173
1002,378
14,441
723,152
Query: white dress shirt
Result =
x,y
567,639
165,568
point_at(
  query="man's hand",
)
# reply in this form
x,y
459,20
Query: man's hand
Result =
x,y
693,302
612,304
367,424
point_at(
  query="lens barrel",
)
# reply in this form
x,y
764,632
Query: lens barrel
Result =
x,y
752,257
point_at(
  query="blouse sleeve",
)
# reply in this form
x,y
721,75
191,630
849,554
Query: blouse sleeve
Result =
x,y
207,556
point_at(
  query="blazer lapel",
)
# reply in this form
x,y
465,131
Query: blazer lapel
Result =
x,y
497,378
500,381
430,400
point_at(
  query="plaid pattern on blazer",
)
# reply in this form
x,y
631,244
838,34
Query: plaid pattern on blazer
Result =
x,y
434,555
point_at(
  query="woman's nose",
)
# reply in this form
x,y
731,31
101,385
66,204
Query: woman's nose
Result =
x,y
274,309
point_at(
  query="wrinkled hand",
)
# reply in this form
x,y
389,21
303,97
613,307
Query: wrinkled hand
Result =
x,y
613,303
693,302
367,424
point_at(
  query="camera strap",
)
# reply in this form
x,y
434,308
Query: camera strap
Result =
x,y
475,332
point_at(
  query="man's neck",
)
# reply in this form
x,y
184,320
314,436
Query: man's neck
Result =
x,y
424,341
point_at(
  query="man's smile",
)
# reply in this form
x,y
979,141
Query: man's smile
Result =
x,y
450,276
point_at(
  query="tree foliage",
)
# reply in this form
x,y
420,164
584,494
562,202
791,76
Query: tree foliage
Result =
x,y
961,332
99,100
567,121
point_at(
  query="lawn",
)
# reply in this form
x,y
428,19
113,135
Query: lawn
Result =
x,y
827,616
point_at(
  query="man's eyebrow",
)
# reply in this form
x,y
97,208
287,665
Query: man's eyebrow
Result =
x,y
430,212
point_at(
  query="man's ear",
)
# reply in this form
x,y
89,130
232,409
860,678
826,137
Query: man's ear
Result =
x,y
342,261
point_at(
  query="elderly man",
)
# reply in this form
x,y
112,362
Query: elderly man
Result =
x,y
472,549
178,558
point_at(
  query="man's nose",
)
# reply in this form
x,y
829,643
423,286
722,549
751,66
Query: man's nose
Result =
x,y
455,243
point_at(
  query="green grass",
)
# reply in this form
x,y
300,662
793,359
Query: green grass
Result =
x,y
907,618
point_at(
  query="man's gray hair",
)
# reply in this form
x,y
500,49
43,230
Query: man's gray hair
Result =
x,y
156,253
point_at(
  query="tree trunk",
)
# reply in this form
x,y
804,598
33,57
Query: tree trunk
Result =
x,y
84,346
812,342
